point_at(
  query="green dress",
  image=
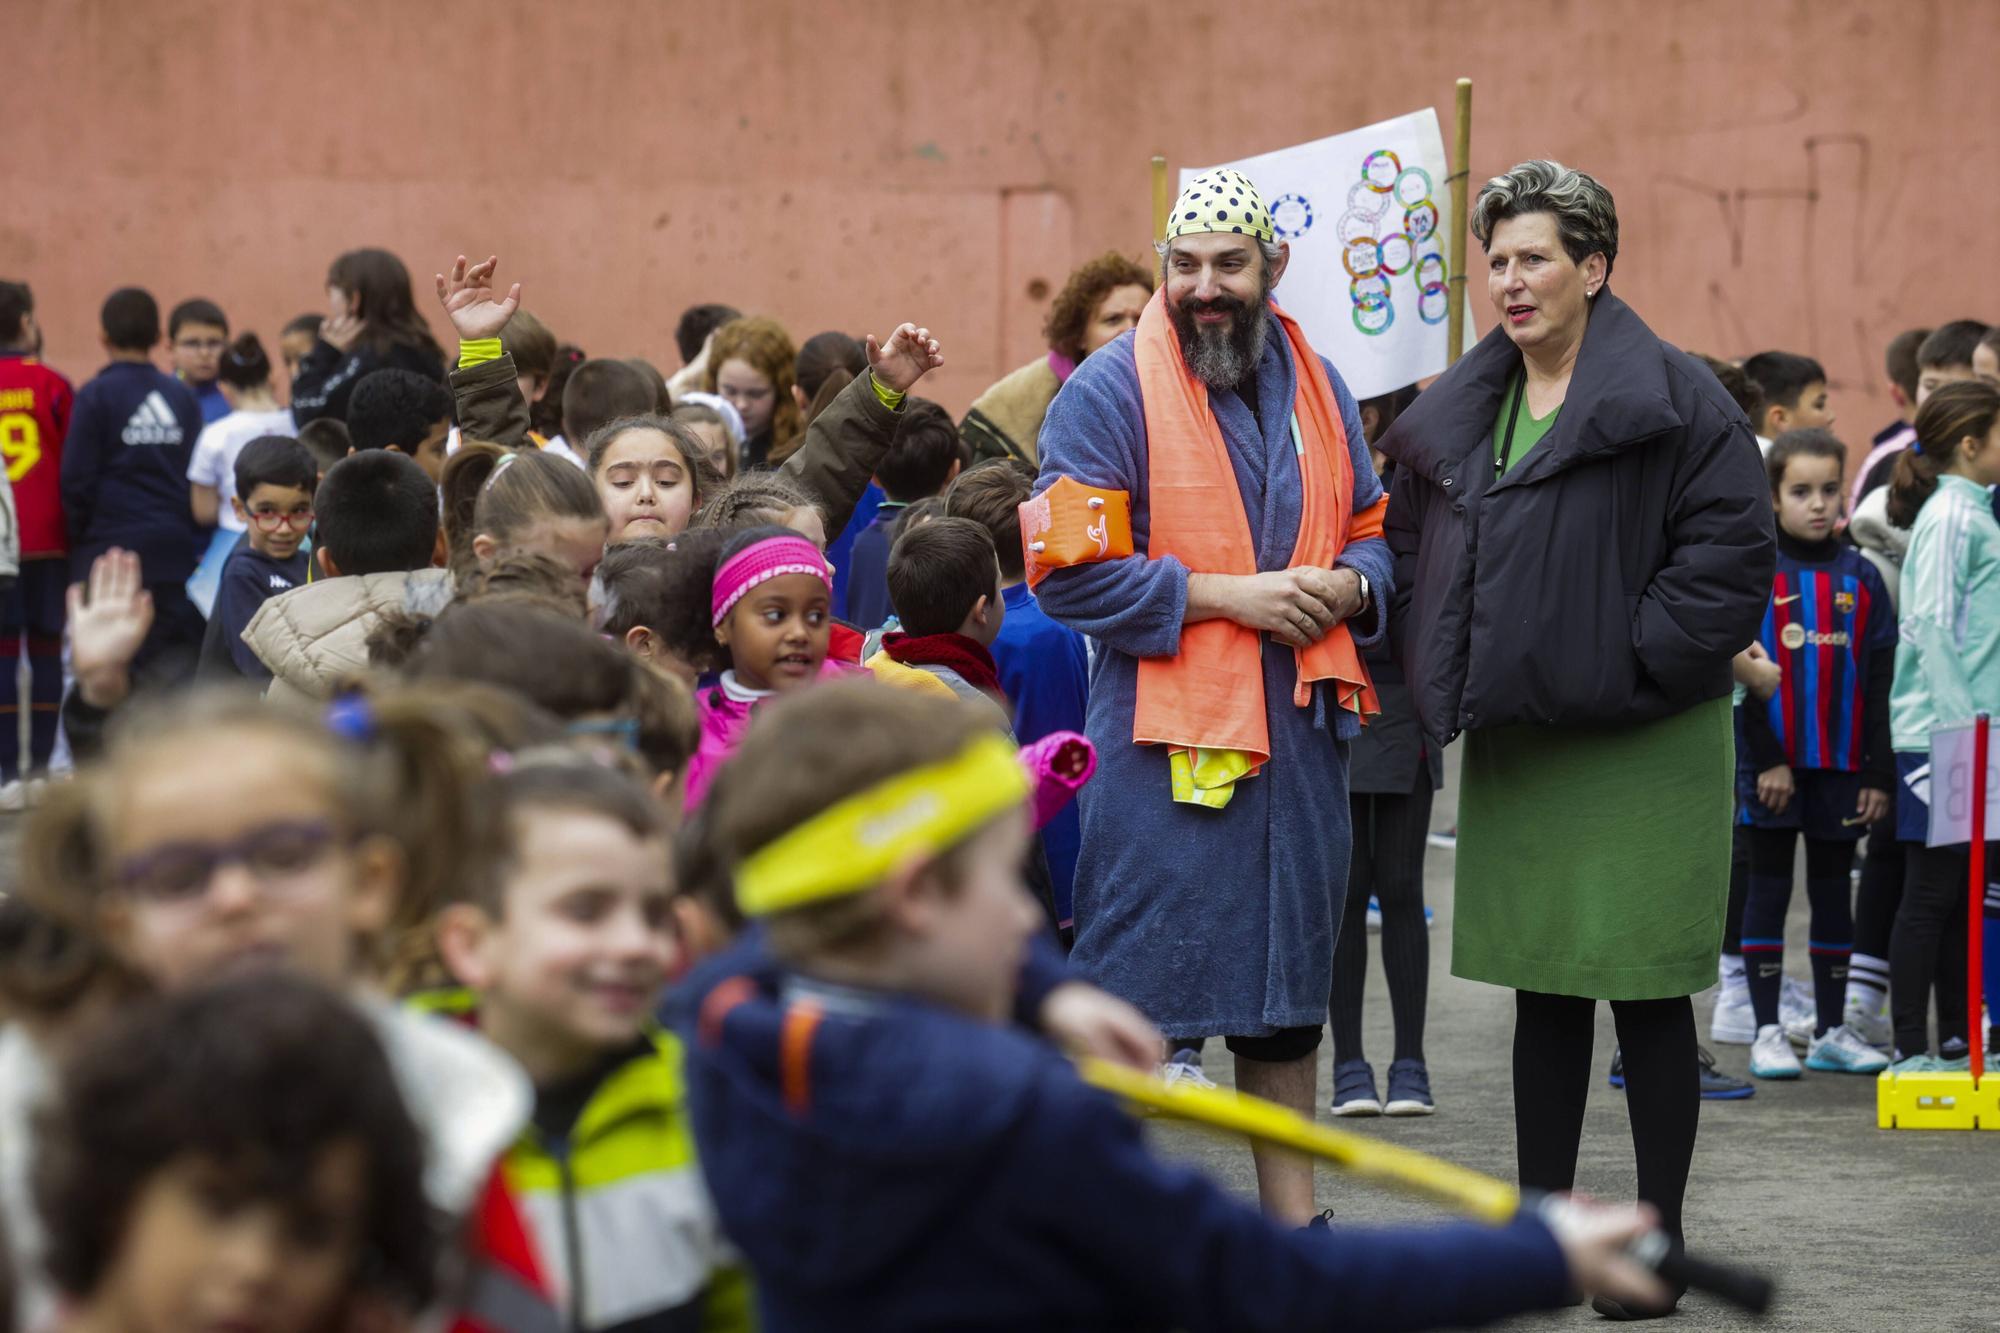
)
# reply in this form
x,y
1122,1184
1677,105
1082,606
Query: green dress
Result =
x,y
1594,861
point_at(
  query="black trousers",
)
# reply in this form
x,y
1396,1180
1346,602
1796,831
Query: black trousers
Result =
x,y
1881,891
1552,1071
1390,834
1927,950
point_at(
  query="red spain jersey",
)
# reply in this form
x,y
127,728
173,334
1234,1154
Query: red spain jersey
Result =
x,y
35,407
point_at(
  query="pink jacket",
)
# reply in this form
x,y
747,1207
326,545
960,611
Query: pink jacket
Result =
x,y
723,722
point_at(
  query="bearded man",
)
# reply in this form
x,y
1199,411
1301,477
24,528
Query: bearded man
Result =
x,y
1227,680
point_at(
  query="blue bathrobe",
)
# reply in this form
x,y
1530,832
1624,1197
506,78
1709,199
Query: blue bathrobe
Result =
x,y
1214,922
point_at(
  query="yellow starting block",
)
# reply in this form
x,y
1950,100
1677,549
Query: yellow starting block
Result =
x,y
1937,1101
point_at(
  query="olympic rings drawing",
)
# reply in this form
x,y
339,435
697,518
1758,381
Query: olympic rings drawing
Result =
x,y
1370,289
1353,226
1366,200
1433,303
1398,254
1292,216
1403,195
1422,221
1371,264
1375,180
1374,320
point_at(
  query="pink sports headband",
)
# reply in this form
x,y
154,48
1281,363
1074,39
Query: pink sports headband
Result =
x,y
760,562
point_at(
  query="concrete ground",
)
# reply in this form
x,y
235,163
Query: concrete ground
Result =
x,y
1863,1228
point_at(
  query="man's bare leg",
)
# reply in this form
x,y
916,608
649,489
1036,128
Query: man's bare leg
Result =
x,y
1284,1179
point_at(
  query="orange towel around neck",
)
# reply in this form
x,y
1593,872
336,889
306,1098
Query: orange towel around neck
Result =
x,y
1211,696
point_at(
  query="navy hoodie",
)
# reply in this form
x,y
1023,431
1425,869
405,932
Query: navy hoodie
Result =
x,y
124,471
906,1167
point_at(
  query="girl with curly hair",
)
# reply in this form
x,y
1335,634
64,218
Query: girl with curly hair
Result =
x,y
1100,301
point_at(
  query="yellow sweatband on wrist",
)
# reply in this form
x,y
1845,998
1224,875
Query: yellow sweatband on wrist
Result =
x,y
857,843
890,398
478,351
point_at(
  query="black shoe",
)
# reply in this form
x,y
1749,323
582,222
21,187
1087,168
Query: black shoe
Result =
x,y
1323,1222
1613,1309
1716,1086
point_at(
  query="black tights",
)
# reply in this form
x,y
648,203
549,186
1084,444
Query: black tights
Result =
x,y
1927,950
1552,1069
1388,862
1881,891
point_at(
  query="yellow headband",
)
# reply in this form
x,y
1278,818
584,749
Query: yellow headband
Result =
x,y
859,842
1222,200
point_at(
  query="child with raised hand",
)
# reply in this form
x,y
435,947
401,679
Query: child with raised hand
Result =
x,y
890,1152
276,478
499,503
769,622
308,845
1947,673
564,952
843,445
235,1156
1815,759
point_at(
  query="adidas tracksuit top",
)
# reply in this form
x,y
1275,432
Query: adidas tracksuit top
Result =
x,y
124,471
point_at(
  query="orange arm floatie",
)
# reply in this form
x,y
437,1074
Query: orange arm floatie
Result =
x,y
1073,524
1368,523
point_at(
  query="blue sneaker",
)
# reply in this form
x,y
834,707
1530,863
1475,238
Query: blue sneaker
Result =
x,y
1354,1089
1409,1089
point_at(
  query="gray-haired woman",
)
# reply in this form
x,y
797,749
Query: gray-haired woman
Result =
x,y
1583,539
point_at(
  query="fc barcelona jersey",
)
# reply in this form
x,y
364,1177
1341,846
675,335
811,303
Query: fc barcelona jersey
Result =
x,y
1825,622
34,417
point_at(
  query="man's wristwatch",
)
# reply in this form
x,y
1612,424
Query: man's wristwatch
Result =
x,y
1365,594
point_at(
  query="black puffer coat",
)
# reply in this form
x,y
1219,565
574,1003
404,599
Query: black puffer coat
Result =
x,y
1610,576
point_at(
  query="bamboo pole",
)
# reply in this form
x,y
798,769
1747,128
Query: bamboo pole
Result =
x,y
1162,198
1461,176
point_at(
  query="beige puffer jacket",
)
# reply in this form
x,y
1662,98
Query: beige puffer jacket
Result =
x,y
1881,541
314,637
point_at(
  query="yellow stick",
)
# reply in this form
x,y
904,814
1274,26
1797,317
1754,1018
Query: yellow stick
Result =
x,y
1162,199
1461,175
1466,1191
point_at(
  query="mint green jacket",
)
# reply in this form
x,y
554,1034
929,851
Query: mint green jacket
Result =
x,y
1948,660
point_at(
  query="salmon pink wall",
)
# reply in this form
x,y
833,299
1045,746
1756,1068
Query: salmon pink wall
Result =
x,y
1814,176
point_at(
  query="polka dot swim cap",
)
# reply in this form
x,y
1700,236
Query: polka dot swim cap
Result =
x,y
1221,200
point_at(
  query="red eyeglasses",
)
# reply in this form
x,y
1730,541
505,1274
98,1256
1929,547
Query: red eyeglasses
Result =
x,y
270,520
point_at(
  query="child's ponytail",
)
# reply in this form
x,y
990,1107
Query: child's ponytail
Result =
x,y
244,363
1955,412
688,583
503,493
61,860
421,765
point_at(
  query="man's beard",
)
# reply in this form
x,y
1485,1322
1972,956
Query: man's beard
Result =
x,y
1220,357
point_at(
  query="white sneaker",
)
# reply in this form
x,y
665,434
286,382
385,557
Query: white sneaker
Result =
x,y
1870,1022
14,797
1734,1022
1185,1067
1771,1055
1842,1051
1798,1012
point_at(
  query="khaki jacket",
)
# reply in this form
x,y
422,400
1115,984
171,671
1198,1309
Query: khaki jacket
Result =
x,y
843,445
313,638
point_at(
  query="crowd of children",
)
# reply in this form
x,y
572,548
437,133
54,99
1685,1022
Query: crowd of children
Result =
x,y
553,845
